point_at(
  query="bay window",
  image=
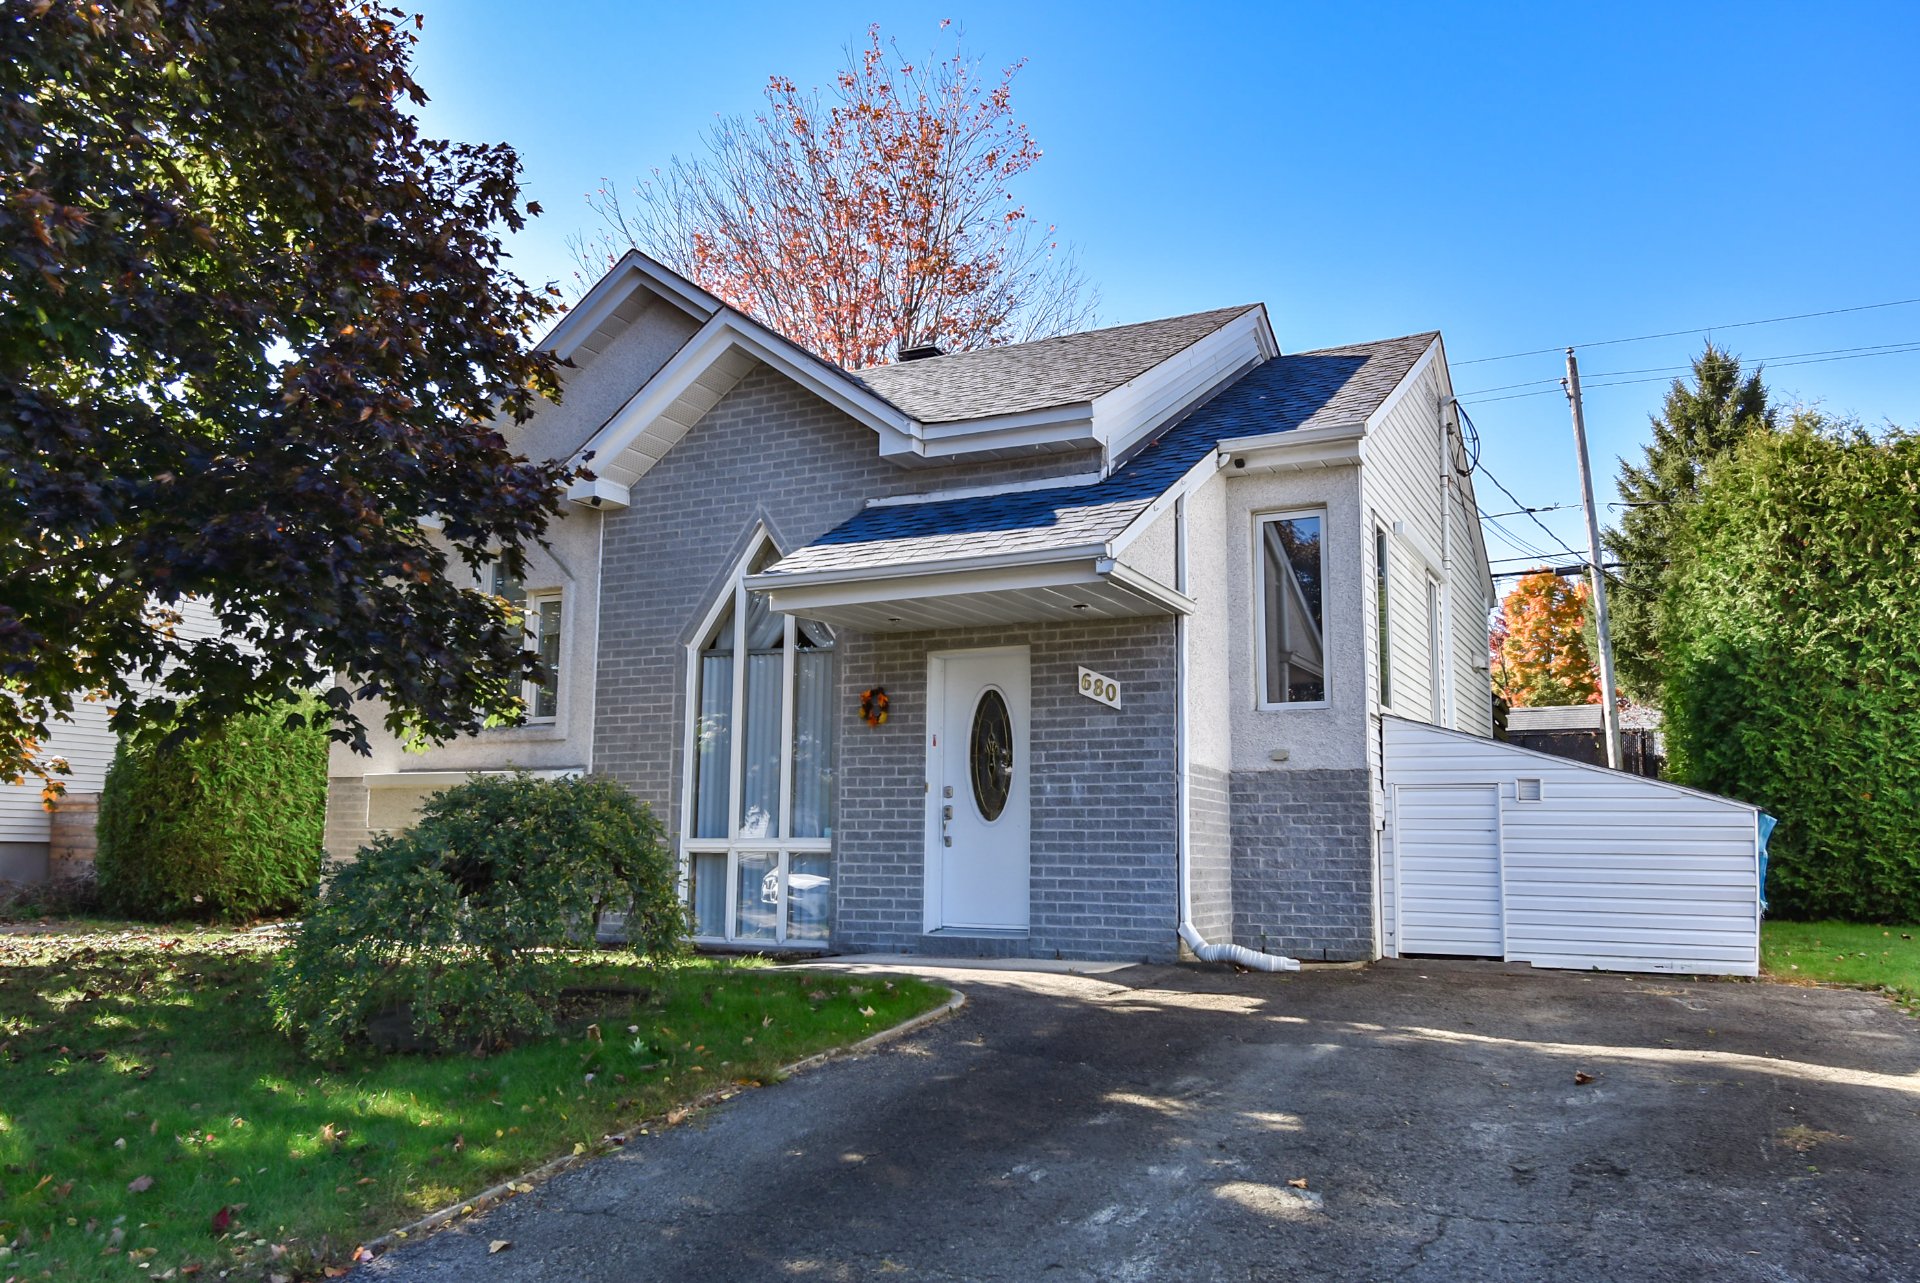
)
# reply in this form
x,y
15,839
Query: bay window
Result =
x,y
757,826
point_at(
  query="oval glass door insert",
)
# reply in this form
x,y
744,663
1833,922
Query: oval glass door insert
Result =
x,y
990,755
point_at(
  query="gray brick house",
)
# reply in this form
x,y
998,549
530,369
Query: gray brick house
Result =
x,y
1132,602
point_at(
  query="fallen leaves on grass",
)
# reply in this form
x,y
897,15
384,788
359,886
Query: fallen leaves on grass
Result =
x,y
139,1184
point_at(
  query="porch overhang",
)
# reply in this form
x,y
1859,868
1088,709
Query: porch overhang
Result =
x,y
901,598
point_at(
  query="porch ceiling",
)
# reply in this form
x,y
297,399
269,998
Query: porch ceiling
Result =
x,y
905,603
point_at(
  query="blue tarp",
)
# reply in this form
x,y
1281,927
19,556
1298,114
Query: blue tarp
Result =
x,y
1767,823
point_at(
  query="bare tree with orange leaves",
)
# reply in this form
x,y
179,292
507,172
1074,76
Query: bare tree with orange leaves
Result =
x,y
1538,645
873,218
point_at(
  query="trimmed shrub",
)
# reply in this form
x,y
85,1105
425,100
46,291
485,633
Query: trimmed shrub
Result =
x,y
227,826
1791,630
453,934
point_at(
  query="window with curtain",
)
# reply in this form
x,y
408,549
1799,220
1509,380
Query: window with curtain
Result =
x,y
758,830
1292,578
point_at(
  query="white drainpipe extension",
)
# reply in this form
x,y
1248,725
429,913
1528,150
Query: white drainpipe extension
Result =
x,y
1239,955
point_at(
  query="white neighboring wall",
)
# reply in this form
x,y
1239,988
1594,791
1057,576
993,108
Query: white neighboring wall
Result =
x,y
87,745
1607,871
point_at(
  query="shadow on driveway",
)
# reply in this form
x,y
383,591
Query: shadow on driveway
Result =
x,y
1158,1123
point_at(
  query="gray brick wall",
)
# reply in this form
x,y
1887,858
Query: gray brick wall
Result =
x,y
1303,863
769,451
1104,808
1209,797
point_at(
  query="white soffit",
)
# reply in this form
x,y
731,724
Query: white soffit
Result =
x,y
1061,591
710,365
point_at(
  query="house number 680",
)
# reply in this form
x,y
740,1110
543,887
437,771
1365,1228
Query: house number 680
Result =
x,y
1097,687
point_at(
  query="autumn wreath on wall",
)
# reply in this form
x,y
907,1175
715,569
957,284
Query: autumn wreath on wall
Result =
x,y
873,706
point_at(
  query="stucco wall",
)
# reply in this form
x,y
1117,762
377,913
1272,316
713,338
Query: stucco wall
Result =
x,y
601,383
1103,806
1329,738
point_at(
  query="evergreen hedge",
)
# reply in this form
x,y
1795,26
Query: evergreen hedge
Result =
x,y
227,826
1791,630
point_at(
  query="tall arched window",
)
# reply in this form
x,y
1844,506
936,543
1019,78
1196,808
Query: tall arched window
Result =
x,y
757,826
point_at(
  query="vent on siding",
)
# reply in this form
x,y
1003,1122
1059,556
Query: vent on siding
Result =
x,y
1526,790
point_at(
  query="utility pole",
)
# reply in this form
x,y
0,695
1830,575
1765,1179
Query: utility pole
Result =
x,y
1609,699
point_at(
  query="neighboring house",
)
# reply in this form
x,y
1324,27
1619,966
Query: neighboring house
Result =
x,y
1133,601
1575,731
36,842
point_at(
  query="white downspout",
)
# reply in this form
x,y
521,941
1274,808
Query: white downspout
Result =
x,y
1239,955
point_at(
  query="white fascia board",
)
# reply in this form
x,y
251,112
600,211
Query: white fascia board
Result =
x,y
634,270
1068,425
773,580
1125,416
726,332
1198,475
1335,445
798,598
1408,382
601,492
1147,586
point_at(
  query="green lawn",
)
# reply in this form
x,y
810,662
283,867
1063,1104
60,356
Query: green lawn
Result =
x,y
152,1124
1847,953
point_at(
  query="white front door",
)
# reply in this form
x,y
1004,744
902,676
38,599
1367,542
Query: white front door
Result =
x,y
977,764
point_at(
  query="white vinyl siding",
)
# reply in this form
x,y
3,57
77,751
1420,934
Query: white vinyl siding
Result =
x,y
1607,870
86,744
1449,869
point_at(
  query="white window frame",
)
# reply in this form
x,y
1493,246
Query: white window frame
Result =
x,y
530,689
530,600
1260,701
1436,653
781,845
1382,589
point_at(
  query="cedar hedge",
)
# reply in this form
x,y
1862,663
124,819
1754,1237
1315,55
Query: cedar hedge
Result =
x,y
226,826
1792,634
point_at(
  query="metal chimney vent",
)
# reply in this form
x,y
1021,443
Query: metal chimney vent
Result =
x,y
921,352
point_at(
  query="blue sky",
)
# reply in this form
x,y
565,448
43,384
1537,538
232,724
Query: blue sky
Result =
x,y
1519,177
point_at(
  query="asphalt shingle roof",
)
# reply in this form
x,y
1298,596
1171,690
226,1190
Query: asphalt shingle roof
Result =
x,y
1338,385
1040,374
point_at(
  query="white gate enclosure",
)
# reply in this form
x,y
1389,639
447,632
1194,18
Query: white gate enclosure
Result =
x,y
1495,851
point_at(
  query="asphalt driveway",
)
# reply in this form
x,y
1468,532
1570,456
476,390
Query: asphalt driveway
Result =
x,y
1156,1123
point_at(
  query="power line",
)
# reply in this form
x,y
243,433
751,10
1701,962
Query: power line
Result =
x,y
1784,361
1516,500
1519,512
1705,329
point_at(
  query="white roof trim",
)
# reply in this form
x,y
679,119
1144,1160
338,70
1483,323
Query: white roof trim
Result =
x,y
1126,416
1011,580
772,580
683,384
1408,381
634,271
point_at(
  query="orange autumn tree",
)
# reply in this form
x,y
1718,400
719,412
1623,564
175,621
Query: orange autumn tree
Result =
x,y
873,218
1538,644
